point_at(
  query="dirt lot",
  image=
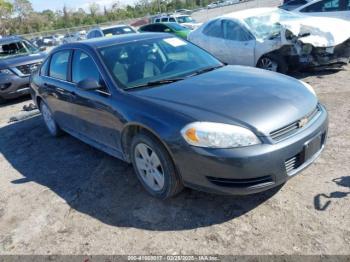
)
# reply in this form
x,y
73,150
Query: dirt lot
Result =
x,y
61,196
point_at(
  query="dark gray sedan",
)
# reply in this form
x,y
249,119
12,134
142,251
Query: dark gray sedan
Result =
x,y
180,116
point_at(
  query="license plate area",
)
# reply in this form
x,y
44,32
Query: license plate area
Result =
x,y
311,148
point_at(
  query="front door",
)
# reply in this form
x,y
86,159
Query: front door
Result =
x,y
93,111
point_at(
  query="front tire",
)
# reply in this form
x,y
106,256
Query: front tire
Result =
x,y
49,121
273,63
154,167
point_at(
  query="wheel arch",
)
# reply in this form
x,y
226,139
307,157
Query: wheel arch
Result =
x,y
134,128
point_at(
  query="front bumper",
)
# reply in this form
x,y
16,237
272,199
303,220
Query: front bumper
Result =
x,y
250,169
13,86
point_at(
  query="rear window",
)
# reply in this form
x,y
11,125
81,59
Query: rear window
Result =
x,y
213,29
118,30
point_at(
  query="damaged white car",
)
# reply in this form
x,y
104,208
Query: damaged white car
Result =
x,y
275,39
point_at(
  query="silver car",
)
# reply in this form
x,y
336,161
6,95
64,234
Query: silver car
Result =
x,y
275,39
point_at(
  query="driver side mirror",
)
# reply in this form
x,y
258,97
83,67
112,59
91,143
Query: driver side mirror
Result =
x,y
89,84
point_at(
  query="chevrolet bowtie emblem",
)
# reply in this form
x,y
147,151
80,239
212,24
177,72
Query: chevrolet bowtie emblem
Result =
x,y
303,122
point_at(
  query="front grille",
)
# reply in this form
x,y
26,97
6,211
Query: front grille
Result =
x,y
29,68
292,128
250,182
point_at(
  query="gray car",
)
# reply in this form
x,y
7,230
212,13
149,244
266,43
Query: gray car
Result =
x,y
18,59
180,116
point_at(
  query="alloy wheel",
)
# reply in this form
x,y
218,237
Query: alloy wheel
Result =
x,y
149,167
268,64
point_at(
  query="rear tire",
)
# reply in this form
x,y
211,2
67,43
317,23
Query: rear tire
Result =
x,y
273,63
49,121
154,167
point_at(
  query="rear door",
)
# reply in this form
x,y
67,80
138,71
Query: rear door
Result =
x,y
239,44
212,40
58,92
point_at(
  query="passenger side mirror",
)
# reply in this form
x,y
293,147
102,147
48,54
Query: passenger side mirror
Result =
x,y
89,84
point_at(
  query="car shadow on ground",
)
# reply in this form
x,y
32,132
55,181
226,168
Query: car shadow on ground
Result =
x,y
319,73
322,201
15,101
105,188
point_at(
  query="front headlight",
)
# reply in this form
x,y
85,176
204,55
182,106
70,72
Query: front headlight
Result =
x,y
217,135
5,72
309,87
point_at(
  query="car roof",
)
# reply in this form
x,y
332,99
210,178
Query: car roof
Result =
x,y
96,43
6,39
250,12
112,26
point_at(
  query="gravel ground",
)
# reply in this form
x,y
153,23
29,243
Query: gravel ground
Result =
x,y
61,196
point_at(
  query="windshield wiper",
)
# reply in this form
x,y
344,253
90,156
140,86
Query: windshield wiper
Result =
x,y
157,82
205,70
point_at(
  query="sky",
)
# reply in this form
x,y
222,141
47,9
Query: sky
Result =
x,y
40,5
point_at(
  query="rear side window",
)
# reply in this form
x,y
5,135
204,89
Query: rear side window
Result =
x,y
233,31
164,19
157,20
213,29
323,6
59,65
172,19
83,67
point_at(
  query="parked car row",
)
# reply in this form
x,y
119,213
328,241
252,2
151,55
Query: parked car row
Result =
x,y
223,3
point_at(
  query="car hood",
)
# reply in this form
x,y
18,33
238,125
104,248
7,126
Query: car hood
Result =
x,y
261,100
323,31
21,60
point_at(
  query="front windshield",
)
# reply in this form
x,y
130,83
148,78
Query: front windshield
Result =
x,y
138,63
17,48
185,19
268,25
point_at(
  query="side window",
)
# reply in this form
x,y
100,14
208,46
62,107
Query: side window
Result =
x,y
59,65
43,69
213,29
172,19
98,33
165,19
233,31
323,6
83,67
157,20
